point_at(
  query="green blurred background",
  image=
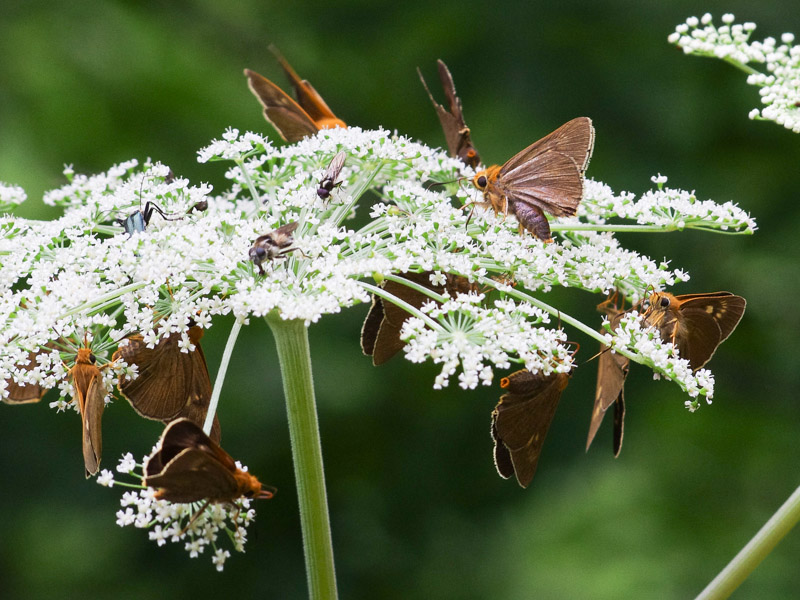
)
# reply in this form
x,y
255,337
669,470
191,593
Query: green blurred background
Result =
x,y
417,508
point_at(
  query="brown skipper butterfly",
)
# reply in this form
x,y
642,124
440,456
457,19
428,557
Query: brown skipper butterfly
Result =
x,y
188,466
521,419
545,177
456,132
696,323
90,394
293,120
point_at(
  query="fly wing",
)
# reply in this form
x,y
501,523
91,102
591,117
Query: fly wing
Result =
x,y
335,167
288,118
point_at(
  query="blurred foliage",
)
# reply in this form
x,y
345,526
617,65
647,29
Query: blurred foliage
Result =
x,y
417,508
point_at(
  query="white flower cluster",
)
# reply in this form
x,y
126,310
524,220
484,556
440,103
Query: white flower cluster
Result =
x,y
114,265
636,339
10,196
197,525
780,83
668,208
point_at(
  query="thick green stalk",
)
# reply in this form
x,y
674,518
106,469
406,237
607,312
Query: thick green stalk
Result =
x,y
755,551
291,339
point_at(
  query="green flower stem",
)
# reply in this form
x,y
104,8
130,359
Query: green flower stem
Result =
x,y
621,227
739,65
291,340
755,551
220,378
104,300
379,291
358,190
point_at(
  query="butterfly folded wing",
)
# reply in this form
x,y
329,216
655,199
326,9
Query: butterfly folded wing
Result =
x,y
549,180
521,420
91,417
289,119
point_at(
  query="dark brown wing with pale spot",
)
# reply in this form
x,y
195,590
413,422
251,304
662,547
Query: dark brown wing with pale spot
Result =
x,y
709,320
521,420
286,115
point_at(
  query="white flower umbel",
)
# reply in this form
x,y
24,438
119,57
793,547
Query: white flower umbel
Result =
x,y
91,271
180,523
10,196
778,77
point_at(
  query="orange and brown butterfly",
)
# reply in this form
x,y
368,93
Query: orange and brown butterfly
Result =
x,y
547,176
293,120
521,420
456,132
695,323
25,393
273,245
380,334
188,466
612,370
90,394
171,384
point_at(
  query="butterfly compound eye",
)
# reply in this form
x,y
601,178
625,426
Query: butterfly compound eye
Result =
x,y
481,182
664,302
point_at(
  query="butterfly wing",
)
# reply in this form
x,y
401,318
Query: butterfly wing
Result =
x,y
372,325
91,417
171,384
191,476
196,407
724,308
24,393
307,97
288,118
522,419
388,342
548,174
612,369
456,132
